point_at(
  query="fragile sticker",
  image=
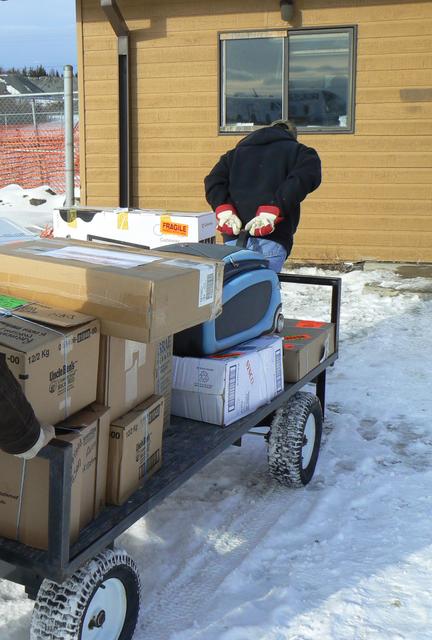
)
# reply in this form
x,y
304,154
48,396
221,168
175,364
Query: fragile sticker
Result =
x,y
169,227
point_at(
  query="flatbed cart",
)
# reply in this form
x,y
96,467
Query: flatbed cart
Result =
x,y
90,590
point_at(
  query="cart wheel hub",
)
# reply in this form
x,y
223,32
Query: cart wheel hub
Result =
x,y
98,621
308,443
106,612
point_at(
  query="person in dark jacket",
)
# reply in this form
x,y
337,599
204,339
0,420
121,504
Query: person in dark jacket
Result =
x,y
259,185
21,434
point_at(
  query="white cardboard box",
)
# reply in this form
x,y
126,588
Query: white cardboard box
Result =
x,y
224,388
145,227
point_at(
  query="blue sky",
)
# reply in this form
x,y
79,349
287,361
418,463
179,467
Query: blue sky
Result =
x,y
36,32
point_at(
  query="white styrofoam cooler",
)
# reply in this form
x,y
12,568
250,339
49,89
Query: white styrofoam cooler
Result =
x,y
224,388
145,227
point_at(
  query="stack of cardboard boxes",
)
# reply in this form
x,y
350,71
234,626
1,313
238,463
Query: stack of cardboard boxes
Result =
x,y
87,330
227,386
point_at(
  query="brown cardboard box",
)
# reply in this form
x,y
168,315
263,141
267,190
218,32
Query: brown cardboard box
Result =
x,y
94,425
88,434
306,344
130,372
137,295
135,449
56,365
31,528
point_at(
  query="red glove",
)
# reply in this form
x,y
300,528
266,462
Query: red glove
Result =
x,y
267,217
228,221
48,232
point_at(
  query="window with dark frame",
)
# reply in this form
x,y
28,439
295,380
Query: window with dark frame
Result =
x,y
306,76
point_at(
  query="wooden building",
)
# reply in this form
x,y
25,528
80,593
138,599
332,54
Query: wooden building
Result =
x,y
355,76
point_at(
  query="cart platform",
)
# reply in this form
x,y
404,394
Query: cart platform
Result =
x,y
188,447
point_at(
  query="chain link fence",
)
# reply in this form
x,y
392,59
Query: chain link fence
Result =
x,y
32,145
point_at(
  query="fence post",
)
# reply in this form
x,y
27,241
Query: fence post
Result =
x,y
33,106
69,141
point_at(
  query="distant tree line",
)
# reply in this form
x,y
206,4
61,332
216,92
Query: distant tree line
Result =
x,y
32,72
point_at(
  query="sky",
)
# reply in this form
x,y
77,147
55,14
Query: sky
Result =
x,y
34,32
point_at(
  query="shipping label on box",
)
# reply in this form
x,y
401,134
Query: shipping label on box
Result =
x,y
306,343
137,295
55,365
135,451
130,372
223,388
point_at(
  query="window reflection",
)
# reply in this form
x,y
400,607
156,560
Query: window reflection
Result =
x,y
253,81
318,79
313,88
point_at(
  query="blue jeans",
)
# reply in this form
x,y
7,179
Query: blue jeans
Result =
x,y
274,252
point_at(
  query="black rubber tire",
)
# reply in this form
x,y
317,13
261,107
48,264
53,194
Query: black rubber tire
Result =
x,y
286,440
60,609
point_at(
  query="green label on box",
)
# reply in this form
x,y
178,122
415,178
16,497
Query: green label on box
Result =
x,y
7,302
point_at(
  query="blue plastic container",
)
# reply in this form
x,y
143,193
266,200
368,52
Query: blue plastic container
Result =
x,y
251,301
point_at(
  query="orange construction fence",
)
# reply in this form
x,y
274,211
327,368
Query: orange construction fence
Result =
x,y
32,158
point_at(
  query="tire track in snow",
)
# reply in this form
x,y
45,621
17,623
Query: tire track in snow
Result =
x,y
187,597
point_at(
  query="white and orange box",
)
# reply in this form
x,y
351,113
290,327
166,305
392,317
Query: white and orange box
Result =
x,y
306,343
227,386
145,227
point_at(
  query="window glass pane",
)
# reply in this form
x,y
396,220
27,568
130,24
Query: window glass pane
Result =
x,y
319,79
253,81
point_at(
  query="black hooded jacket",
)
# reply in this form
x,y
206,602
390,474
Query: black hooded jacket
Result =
x,y
268,167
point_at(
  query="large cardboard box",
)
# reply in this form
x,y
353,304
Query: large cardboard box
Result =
x,y
149,228
93,423
24,512
130,372
55,364
137,294
228,386
306,343
135,449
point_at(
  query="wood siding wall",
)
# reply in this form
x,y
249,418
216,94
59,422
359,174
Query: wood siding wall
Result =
x,y
376,198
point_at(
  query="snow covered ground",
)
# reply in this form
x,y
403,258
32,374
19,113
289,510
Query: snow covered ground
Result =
x,y
233,556
15,203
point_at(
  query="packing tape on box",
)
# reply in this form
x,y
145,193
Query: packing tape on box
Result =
x,y
142,468
123,220
146,446
21,498
201,365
